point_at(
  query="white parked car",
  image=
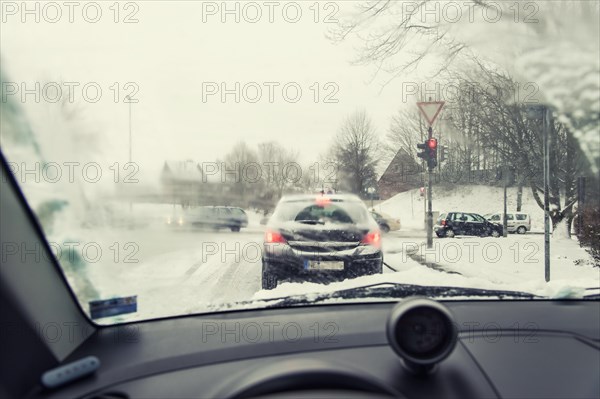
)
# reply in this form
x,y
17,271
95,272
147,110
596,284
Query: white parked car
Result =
x,y
516,222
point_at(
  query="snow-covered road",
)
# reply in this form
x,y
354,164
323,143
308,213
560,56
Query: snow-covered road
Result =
x,y
189,271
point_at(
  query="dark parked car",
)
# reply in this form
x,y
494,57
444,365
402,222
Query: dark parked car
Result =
x,y
320,238
214,217
464,223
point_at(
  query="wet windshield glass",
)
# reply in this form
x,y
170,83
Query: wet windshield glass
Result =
x,y
339,212
198,156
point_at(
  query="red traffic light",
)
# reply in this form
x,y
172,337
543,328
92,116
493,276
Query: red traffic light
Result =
x,y
432,144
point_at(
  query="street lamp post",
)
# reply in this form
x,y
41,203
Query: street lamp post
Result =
x,y
128,99
543,114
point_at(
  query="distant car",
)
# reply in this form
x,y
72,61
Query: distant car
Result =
x,y
516,222
239,215
386,222
465,223
320,238
214,217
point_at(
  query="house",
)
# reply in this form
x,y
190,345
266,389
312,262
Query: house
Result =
x,y
185,183
402,174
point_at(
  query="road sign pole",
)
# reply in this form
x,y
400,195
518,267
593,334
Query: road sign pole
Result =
x,y
546,138
430,110
429,205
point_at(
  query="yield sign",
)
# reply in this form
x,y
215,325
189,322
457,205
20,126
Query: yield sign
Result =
x,y
430,110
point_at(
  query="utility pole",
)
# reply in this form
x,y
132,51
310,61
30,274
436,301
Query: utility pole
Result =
x,y
543,113
130,151
130,159
547,139
505,217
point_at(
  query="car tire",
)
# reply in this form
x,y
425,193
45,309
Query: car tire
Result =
x,y
449,233
495,233
522,230
235,229
385,228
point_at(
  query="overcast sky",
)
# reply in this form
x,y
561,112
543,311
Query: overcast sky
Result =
x,y
176,52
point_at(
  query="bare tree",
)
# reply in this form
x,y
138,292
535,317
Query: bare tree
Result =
x,y
517,141
545,41
355,153
280,167
243,170
404,133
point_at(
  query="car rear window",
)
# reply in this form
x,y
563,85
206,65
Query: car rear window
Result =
x,y
334,212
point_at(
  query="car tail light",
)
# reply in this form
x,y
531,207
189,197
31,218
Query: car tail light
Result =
x,y
323,201
372,238
272,237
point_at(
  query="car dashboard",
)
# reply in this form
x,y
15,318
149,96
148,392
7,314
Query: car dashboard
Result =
x,y
504,349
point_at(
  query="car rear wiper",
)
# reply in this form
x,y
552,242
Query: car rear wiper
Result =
x,y
389,290
310,221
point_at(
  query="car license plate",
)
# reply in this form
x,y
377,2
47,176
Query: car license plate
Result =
x,y
323,265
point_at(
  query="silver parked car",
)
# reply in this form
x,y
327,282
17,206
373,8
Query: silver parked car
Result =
x,y
516,222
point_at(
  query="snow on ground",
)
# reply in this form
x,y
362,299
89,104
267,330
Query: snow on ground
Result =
x,y
515,263
175,271
172,271
409,205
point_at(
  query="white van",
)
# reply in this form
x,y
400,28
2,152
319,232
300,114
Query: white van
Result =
x,y
517,222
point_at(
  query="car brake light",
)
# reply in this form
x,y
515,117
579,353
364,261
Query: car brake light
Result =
x,y
372,238
272,237
322,201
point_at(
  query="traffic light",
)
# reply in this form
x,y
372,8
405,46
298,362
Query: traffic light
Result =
x,y
432,153
429,152
425,153
443,150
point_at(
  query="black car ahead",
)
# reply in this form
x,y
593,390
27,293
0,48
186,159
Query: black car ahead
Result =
x,y
468,224
320,238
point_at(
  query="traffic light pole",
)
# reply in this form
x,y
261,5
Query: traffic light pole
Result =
x,y
429,206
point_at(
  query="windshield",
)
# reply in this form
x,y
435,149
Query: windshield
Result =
x,y
190,157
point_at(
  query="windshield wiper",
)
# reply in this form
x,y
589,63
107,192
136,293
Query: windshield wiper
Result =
x,y
388,290
595,295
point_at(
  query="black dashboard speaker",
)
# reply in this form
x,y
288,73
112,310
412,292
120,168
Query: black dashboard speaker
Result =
x,y
422,332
